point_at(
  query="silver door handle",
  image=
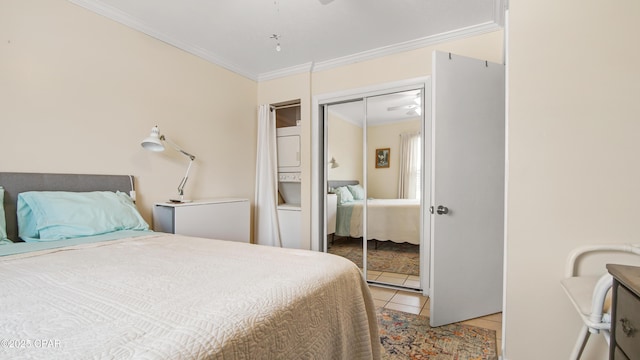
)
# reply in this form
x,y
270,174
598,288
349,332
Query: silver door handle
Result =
x,y
442,210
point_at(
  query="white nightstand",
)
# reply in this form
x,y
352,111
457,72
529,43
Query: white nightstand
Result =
x,y
224,219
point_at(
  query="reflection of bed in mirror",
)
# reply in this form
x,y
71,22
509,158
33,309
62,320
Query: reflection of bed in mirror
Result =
x,y
396,220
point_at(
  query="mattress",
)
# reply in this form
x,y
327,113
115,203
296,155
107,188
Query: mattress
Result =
x,y
164,296
396,220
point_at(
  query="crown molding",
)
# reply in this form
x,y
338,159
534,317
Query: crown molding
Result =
x,y
127,20
293,70
408,46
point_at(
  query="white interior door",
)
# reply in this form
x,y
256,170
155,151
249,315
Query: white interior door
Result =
x,y
468,162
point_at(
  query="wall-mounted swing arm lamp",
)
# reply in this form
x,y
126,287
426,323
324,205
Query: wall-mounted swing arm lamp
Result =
x,y
155,143
333,163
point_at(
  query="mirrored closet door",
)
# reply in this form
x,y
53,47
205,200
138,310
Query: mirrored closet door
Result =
x,y
344,123
374,183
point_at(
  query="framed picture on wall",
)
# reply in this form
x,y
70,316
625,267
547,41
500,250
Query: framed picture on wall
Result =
x,y
382,158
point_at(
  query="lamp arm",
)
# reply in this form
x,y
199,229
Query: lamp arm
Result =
x,y
184,181
178,148
186,175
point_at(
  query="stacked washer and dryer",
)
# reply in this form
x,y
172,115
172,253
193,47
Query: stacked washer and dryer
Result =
x,y
289,167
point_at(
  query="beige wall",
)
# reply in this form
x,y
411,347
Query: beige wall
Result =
x,y
78,92
574,173
344,142
382,183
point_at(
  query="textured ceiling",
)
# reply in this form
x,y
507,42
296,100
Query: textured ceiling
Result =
x,y
313,34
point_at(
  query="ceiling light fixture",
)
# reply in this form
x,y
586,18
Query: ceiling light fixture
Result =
x,y
276,37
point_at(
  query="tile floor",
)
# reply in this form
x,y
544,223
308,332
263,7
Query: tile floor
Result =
x,y
415,303
394,278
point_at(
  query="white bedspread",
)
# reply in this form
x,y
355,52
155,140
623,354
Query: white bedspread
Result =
x,y
174,297
396,220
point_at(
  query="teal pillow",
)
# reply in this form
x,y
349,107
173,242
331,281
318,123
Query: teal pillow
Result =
x,y
357,191
344,195
55,215
3,221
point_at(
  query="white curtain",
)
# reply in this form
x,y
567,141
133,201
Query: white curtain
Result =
x,y
267,231
409,180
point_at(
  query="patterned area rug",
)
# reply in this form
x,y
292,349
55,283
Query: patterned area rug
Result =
x,y
408,336
398,258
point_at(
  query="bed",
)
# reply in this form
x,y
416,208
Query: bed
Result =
x,y
396,220
142,294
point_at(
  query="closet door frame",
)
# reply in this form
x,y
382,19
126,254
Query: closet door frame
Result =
x,y
319,162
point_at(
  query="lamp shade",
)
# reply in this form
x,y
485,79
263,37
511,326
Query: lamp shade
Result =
x,y
153,142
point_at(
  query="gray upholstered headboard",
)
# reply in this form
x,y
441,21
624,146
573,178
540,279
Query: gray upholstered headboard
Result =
x,y
337,183
15,183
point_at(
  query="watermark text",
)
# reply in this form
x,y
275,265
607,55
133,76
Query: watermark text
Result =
x,y
29,343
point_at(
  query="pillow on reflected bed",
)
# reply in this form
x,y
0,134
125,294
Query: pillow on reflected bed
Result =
x,y
56,215
357,191
344,195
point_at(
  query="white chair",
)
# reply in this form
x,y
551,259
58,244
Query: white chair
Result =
x,y
590,294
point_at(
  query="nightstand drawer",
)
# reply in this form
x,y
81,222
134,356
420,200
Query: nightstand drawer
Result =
x,y
627,324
